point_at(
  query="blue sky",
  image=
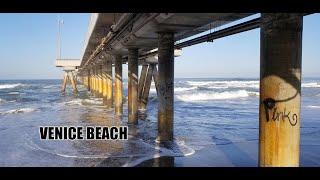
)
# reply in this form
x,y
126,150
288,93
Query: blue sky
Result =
x,y
28,45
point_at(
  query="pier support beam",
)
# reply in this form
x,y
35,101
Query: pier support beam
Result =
x,y
73,82
88,80
64,82
100,81
93,80
166,86
146,88
96,81
280,89
108,100
133,86
104,82
118,86
142,80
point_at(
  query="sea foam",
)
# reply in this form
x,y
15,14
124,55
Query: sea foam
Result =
x,y
311,85
19,110
214,95
9,86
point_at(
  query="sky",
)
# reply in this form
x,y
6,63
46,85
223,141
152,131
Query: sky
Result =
x,y
28,44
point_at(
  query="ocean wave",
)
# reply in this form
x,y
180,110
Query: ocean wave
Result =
x,y
311,85
225,84
14,93
311,106
10,86
176,89
19,110
2,100
214,95
180,89
94,101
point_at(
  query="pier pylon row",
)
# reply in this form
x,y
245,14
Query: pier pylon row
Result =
x,y
280,87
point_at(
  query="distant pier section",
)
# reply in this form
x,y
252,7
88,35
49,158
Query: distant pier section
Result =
x,y
70,67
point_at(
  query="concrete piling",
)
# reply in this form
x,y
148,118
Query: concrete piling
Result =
x,y
118,86
64,82
133,86
100,81
109,98
166,86
142,79
73,82
104,82
146,88
280,89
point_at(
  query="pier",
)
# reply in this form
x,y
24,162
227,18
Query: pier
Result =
x,y
153,40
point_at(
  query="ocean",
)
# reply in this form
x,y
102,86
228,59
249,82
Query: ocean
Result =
x,y
215,124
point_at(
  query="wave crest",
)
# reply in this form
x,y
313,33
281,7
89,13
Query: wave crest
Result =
x,y
215,95
9,86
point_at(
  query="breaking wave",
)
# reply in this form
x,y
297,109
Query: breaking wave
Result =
x,y
311,106
78,101
215,95
312,85
2,100
225,84
9,86
20,110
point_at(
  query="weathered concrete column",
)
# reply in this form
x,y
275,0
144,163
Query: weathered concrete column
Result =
x,y
64,82
133,85
142,80
91,80
155,76
280,89
94,80
146,88
166,86
100,80
104,82
72,81
108,99
88,80
118,86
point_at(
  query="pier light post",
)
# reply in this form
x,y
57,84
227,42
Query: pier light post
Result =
x,y
133,85
118,85
166,85
280,89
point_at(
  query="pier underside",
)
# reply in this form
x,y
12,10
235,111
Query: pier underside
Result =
x,y
151,40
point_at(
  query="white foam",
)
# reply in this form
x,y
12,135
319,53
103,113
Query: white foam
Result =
x,y
225,84
311,85
176,89
311,106
78,101
20,110
180,89
213,95
13,93
9,86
